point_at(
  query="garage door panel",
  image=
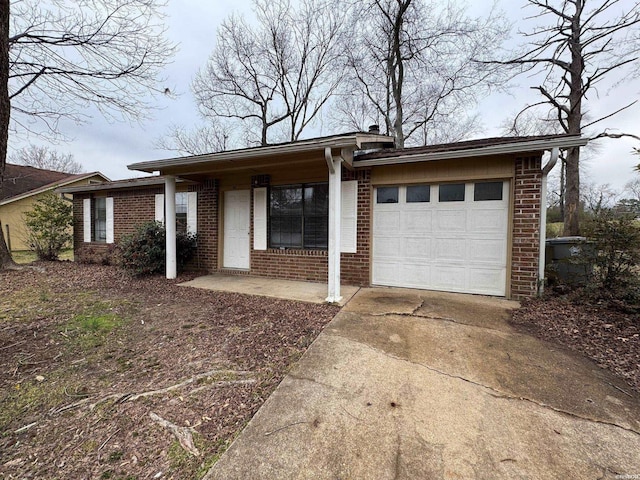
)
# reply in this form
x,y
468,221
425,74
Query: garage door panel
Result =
x,y
451,220
487,281
385,273
387,248
458,246
450,249
386,221
416,247
486,250
417,274
416,221
449,278
487,220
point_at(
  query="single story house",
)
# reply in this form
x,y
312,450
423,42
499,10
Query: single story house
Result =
x,y
461,217
22,187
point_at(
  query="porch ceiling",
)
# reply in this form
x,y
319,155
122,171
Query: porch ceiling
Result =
x,y
286,153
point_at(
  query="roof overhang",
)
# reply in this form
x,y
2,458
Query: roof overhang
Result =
x,y
120,185
343,145
55,186
516,147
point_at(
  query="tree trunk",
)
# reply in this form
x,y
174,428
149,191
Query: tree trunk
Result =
x,y
572,193
574,126
5,111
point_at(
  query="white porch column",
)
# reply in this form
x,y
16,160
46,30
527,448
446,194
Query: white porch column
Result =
x,y
170,225
335,213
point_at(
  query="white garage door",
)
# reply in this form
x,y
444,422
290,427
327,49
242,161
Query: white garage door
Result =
x,y
449,237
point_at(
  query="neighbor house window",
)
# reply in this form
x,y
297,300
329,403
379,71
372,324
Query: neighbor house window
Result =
x,y
100,220
299,216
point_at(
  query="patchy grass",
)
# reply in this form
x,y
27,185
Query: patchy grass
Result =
x,y
87,353
28,256
91,328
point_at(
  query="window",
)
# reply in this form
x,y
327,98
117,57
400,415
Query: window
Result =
x,y
387,195
487,191
181,212
418,193
100,220
451,192
299,216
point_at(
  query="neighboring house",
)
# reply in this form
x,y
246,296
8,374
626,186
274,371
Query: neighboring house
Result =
x,y
22,187
463,217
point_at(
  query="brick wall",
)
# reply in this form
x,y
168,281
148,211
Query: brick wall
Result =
x,y
130,209
355,268
312,265
206,258
526,222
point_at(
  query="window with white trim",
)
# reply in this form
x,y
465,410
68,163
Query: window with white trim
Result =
x,y
100,220
299,216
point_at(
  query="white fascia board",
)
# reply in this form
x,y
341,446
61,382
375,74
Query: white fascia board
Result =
x,y
508,148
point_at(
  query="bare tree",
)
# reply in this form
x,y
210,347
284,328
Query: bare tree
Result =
x,y
5,111
596,198
59,58
45,158
408,64
210,138
278,73
578,45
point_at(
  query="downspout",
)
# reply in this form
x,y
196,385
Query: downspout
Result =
x,y
555,153
335,212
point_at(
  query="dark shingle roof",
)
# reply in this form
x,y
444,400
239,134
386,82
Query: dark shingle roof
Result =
x,y
19,179
464,145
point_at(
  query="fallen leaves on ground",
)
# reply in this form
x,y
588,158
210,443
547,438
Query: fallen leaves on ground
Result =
x,y
605,334
87,353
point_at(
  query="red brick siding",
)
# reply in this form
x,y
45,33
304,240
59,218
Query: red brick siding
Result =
x,y
526,227
208,200
130,209
312,265
355,268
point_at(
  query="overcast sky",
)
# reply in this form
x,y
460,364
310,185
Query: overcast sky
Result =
x,y
110,147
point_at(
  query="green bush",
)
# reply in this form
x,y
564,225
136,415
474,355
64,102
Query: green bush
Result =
x,y
143,252
616,256
49,226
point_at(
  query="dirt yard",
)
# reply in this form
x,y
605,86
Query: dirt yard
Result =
x,y
607,335
108,377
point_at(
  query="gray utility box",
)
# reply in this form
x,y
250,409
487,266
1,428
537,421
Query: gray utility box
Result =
x,y
569,260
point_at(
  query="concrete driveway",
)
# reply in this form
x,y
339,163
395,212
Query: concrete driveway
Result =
x,y
407,384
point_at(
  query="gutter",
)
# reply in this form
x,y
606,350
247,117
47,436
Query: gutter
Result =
x,y
555,153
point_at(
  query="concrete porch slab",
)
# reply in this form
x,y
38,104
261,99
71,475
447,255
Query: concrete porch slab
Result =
x,y
270,287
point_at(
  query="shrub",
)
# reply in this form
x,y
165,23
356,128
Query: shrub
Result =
x,y
49,226
616,256
143,252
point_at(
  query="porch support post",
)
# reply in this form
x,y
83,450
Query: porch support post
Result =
x,y
335,213
170,225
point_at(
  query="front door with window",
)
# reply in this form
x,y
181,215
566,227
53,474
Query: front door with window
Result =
x,y
236,229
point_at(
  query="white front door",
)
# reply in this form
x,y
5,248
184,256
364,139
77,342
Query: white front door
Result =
x,y
236,229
